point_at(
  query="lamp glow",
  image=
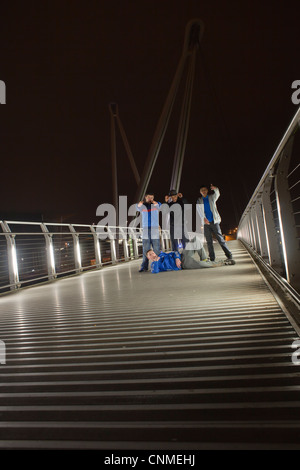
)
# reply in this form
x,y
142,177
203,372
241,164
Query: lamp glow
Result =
x,y
14,260
78,253
52,261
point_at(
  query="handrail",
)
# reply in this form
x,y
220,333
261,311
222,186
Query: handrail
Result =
x,y
32,256
291,128
270,223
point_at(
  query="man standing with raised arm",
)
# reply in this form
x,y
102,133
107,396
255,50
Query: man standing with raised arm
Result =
x,y
149,209
207,208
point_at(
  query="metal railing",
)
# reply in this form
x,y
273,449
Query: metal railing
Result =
x,y
270,224
32,252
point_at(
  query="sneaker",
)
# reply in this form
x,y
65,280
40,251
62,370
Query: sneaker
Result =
x,y
142,270
229,261
217,263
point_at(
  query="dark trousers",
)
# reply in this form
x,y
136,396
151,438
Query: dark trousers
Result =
x,y
209,231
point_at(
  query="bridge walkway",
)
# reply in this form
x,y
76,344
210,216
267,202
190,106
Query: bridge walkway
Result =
x,y
117,359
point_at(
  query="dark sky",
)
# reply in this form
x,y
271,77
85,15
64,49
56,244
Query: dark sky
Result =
x,y
63,62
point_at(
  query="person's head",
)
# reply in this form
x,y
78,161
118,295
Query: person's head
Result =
x,y
149,197
174,195
151,255
203,190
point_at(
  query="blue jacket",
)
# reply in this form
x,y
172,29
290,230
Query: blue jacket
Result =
x,y
166,262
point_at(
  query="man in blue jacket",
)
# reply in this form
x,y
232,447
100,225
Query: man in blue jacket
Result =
x,y
149,209
207,208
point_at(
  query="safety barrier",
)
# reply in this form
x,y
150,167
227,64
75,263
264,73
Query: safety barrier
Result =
x,y
270,224
32,252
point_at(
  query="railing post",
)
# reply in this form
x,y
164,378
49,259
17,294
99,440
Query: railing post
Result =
x,y
77,254
125,244
256,229
168,243
247,229
162,241
261,229
287,224
252,231
134,242
50,252
12,257
165,241
112,246
97,247
269,224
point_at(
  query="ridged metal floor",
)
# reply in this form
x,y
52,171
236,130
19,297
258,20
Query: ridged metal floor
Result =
x,y
117,359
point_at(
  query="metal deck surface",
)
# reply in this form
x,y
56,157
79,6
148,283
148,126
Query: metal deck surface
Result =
x,y
117,359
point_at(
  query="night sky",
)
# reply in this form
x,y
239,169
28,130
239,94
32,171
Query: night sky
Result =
x,y
64,61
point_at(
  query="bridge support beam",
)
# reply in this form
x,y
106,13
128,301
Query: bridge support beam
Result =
x,y
193,35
